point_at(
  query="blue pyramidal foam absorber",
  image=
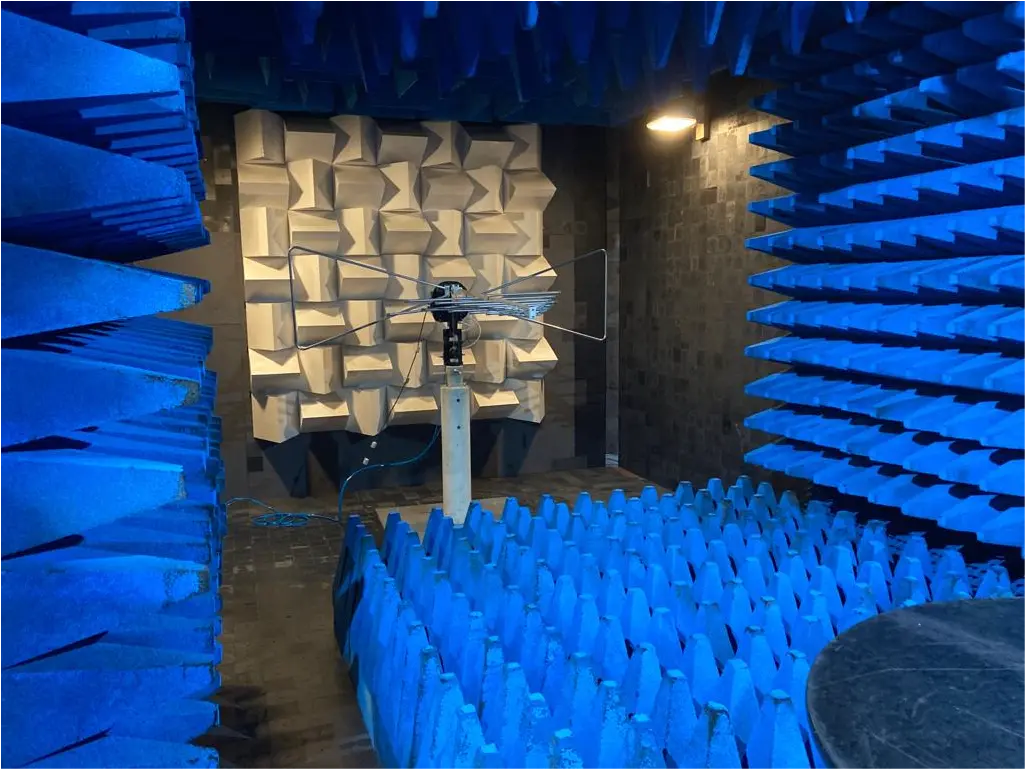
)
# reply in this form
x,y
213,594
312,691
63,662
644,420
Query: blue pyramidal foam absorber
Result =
x,y
634,632
905,315
586,62
111,465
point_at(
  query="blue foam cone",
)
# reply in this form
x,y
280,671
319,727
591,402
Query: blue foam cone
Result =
x,y
759,657
736,690
712,743
468,739
636,616
777,740
538,734
579,689
700,668
563,751
644,750
666,638
674,717
643,678
610,725
610,654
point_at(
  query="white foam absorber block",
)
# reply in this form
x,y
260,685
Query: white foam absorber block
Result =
x,y
526,152
486,197
447,143
359,186
360,312
524,269
315,278
358,282
403,264
434,201
436,363
321,369
265,280
275,370
320,321
321,413
529,360
366,410
367,366
407,144
412,407
259,137
446,233
488,270
442,188
263,185
311,185
524,329
409,363
409,326
359,232
319,231
441,268
491,234
491,401
264,231
309,139
356,140
489,358
531,396
402,233
528,226
526,191
275,416
402,187
269,326
496,326
488,147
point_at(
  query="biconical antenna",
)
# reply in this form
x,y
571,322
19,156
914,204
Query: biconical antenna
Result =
x,y
450,303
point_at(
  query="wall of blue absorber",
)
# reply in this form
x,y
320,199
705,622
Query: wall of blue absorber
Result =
x,y
111,469
904,299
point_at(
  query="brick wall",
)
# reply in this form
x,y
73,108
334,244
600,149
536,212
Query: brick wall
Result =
x,y
684,294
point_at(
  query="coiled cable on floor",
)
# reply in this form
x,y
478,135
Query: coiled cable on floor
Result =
x,y
278,518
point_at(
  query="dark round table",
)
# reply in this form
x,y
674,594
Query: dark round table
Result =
x,y
937,685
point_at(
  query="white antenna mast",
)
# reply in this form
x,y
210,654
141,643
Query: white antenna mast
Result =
x,y
450,303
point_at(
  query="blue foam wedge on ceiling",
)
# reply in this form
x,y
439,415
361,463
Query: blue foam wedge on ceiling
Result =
x,y
582,62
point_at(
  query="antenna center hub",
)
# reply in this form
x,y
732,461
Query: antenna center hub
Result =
x,y
441,310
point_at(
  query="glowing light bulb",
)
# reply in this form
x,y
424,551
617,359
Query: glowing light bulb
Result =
x,y
671,123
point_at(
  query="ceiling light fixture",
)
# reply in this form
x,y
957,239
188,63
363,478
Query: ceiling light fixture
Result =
x,y
671,123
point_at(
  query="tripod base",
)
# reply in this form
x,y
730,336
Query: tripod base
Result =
x,y
455,444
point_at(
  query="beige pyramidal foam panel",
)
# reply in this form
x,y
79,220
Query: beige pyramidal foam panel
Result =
x,y
434,201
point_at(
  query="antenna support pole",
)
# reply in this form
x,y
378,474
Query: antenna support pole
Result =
x,y
455,411
455,444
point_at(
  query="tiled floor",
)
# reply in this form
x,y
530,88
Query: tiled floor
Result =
x,y
286,698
